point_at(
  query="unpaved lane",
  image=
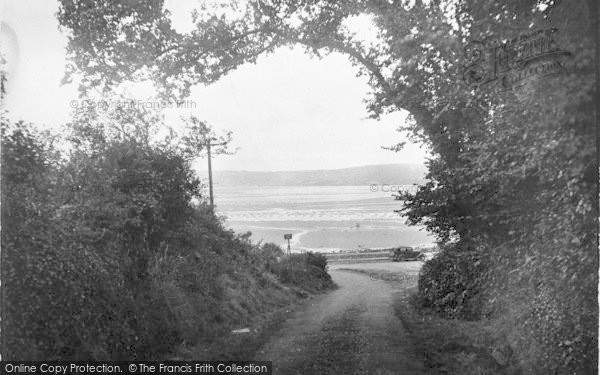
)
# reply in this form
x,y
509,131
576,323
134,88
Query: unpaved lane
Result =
x,y
352,330
397,267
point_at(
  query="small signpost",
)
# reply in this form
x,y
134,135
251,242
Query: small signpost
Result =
x,y
288,237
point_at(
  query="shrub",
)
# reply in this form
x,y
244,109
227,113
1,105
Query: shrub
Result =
x,y
450,283
307,271
270,254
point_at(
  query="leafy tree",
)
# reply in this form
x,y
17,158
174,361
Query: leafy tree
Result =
x,y
84,231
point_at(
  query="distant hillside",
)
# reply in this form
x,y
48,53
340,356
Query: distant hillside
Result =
x,y
392,174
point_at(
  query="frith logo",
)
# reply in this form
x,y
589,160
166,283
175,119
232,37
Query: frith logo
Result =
x,y
509,64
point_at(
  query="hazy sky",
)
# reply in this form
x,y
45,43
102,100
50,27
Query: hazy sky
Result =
x,y
287,111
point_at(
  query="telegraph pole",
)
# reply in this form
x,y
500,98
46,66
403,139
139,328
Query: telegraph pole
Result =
x,y
210,182
210,187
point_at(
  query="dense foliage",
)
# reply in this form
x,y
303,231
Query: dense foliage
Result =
x,y
448,283
109,251
513,172
308,271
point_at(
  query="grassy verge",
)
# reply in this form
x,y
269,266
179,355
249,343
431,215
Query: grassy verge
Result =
x,y
454,346
240,346
256,304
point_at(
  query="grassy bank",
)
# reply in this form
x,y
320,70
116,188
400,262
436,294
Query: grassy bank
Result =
x,y
256,303
110,252
452,346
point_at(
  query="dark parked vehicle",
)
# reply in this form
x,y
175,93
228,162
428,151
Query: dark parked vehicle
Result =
x,y
406,253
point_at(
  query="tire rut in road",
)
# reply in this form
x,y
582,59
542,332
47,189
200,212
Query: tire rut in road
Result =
x,y
340,345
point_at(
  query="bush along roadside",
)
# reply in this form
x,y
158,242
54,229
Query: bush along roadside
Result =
x,y
451,283
506,313
110,252
307,271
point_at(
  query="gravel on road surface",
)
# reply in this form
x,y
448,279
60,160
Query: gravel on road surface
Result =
x,y
351,330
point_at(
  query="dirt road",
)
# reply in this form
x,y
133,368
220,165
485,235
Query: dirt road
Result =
x,y
352,330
